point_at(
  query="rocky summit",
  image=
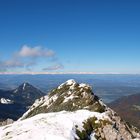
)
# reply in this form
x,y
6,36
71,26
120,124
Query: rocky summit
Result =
x,y
69,96
70,112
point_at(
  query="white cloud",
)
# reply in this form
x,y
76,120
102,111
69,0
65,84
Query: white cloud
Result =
x,y
10,64
29,58
13,63
37,51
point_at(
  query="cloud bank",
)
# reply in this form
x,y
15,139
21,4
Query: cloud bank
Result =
x,y
38,51
28,58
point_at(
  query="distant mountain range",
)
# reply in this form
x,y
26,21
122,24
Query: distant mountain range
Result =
x,y
13,103
107,86
128,108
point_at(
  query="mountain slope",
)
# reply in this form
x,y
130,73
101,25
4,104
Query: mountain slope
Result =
x,y
14,103
69,112
69,96
51,126
128,108
26,94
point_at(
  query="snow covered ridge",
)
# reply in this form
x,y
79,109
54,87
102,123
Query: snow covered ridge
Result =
x,y
72,83
77,125
49,126
5,101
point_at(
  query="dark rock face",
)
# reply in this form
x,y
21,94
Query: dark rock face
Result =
x,y
21,98
128,108
26,94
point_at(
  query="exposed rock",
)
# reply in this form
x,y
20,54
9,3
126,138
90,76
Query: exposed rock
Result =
x,y
6,122
128,108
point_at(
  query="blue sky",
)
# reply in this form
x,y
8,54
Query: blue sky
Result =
x,y
99,36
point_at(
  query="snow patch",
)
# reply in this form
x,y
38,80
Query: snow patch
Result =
x,y
69,98
24,85
69,83
82,85
43,101
5,101
86,86
49,101
92,136
58,125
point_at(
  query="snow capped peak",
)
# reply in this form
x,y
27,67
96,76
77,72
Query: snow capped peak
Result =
x,y
21,88
27,93
70,82
24,85
69,96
